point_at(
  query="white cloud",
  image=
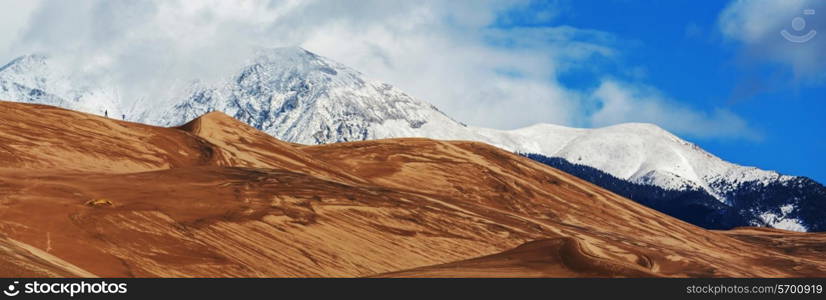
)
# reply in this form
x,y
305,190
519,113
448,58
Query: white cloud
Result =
x,y
622,102
444,52
441,51
479,83
13,18
757,26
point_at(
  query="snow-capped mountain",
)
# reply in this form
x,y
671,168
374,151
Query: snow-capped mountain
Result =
x,y
300,97
797,203
33,79
637,152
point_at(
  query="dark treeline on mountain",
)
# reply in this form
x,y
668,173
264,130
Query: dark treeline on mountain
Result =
x,y
807,196
750,204
694,206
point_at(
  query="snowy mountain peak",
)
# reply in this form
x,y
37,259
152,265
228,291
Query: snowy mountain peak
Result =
x,y
301,97
287,54
33,79
638,152
296,60
26,63
32,71
641,128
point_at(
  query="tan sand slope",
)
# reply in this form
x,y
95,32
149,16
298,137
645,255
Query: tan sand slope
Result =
x,y
216,198
20,260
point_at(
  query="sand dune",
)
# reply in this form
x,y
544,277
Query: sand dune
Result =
x,y
216,198
21,260
559,257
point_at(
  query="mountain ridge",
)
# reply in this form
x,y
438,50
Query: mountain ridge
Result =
x,y
301,97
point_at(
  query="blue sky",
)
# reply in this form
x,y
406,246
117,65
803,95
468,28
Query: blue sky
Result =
x,y
716,73
678,47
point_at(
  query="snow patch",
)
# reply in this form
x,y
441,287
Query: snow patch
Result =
x,y
781,221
